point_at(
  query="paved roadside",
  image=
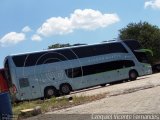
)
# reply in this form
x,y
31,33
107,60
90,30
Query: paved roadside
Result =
x,y
136,97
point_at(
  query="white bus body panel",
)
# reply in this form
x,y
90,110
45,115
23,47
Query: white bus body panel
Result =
x,y
53,74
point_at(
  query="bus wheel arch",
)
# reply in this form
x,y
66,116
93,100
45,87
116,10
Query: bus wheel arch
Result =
x,y
103,85
50,91
65,88
133,74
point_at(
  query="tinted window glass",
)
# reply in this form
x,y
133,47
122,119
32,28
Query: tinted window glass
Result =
x,y
141,57
7,73
133,44
117,48
75,72
23,82
67,54
19,60
94,50
98,68
85,51
43,58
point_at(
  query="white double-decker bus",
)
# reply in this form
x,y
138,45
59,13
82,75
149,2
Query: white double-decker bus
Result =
x,y
47,73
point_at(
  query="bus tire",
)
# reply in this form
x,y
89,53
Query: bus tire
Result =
x,y
133,74
103,85
65,89
50,91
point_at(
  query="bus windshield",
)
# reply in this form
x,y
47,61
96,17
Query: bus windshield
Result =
x,y
133,44
142,57
138,51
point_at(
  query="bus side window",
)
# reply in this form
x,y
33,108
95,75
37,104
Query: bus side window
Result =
x,y
23,82
74,72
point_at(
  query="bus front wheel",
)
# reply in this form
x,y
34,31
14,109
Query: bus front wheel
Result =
x,y
133,75
49,92
65,89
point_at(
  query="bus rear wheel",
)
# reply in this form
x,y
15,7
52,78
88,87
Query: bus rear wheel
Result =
x,y
133,75
65,89
49,92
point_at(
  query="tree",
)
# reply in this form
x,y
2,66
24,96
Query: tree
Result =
x,y
148,35
58,45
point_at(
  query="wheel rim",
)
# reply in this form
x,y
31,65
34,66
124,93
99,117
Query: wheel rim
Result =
x,y
65,89
50,92
133,75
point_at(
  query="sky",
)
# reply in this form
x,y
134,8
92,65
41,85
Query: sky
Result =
x,y
33,25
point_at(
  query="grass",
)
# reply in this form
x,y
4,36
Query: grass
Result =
x,y
54,103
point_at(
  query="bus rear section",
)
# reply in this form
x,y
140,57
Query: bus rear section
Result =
x,y
8,78
3,82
